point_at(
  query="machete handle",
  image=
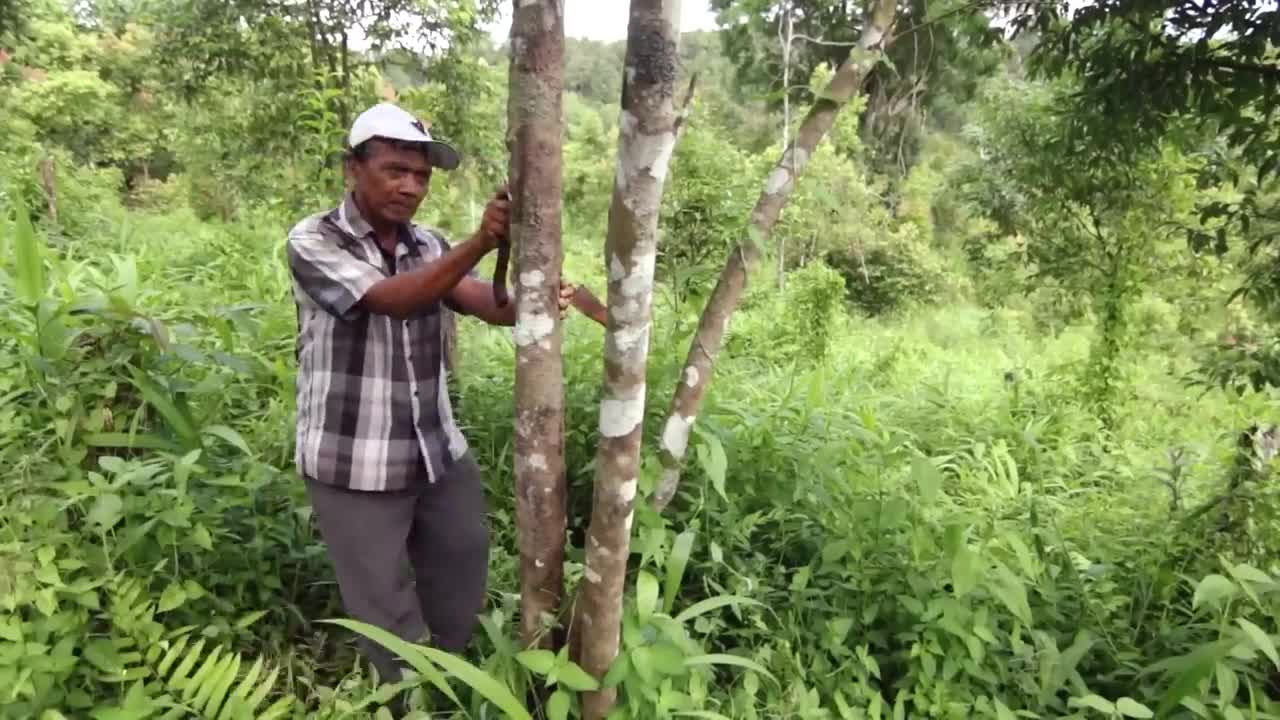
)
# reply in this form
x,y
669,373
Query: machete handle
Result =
x,y
500,296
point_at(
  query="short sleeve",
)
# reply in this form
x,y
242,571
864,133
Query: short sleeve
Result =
x,y
328,274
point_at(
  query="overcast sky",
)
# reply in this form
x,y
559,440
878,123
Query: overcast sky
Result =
x,y
606,20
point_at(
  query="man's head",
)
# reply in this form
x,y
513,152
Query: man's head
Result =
x,y
390,161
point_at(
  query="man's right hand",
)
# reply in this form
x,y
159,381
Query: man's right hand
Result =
x,y
497,215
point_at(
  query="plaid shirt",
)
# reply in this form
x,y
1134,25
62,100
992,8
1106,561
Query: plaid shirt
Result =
x,y
372,390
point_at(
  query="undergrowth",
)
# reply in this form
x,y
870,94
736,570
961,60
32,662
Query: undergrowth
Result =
x,y
913,516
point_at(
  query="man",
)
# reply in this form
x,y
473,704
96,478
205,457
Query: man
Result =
x,y
389,475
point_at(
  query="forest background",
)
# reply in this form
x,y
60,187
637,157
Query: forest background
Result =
x,y
989,437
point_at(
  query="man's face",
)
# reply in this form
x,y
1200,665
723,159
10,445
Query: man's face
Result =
x,y
391,182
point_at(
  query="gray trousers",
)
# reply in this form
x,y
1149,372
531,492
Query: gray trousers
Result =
x,y
409,562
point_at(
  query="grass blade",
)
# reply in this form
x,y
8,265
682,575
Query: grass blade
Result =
x,y
714,603
676,563
29,276
479,681
722,659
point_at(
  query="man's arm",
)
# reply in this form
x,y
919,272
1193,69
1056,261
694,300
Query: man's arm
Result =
x,y
402,294
474,297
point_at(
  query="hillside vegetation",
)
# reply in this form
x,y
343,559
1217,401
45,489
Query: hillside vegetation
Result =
x,y
989,438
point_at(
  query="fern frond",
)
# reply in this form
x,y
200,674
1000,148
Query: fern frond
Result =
x,y
212,691
182,669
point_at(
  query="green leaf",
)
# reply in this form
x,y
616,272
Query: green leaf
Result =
x,y
172,597
1261,640
479,681
618,671
1013,594
646,595
1132,708
161,400
1250,573
722,659
927,479
964,570
719,601
1228,683
249,618
642,661
575,678
668,660
127,440
558,705
200,536
29,275
1212,589
714,463
538,661
677,561
231,436
410,653
102,654
1096,702
106,511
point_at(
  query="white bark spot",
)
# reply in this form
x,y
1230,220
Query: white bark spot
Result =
x,y
795,159
531,327
644,153
627,490
620,416
532,279
539,564
537,461
627,522
675,436
691,376
626,340
640,280
871,37
616,270
778,179
592,576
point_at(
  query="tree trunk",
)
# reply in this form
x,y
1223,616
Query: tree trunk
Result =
x,y
49,180
534,110
647,136
707,340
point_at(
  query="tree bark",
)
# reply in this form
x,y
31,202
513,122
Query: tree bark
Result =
x,y
647,136
707,341
534,110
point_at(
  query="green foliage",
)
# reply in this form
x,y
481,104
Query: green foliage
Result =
x,y
900,502
706,209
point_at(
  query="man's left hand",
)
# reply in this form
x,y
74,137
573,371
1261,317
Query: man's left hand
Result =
x,y
567,290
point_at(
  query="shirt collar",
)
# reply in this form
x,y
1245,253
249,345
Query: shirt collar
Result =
x,y
351,220
353,223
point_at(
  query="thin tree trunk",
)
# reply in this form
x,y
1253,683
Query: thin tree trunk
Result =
x,y
48,178
707,341
647,136
534,110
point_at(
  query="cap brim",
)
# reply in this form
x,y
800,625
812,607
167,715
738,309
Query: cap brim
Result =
x,y
442,155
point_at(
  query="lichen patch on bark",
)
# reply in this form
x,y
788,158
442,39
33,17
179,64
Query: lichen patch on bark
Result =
x,y
619,416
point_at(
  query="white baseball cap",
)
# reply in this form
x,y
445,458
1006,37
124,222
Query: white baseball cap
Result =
x,y
386,120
